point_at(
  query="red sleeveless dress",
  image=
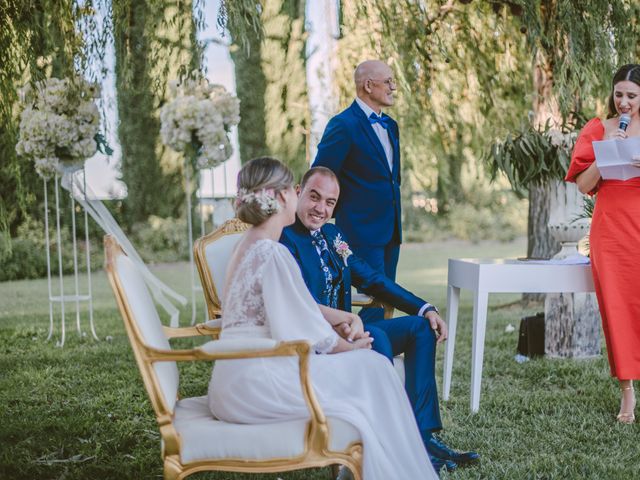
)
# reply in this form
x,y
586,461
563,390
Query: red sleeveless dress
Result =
x,y
615,256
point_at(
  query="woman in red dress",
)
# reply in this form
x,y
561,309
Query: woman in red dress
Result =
x,y
615,235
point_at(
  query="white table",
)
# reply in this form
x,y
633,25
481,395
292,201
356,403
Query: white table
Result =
x,y
484,276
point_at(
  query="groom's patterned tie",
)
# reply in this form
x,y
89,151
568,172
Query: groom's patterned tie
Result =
x,y
330,292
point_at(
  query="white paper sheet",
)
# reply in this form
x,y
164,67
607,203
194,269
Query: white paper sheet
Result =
x,y
613,158
575,259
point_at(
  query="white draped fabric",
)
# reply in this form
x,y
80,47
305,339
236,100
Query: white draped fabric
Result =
x,y
266,297
82,193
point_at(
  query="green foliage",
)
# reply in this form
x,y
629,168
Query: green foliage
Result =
x,y
530,157
157,240
37,40
489,212
283,63
25,256
250,88
271,85
162,239
242,18
155,43
582,44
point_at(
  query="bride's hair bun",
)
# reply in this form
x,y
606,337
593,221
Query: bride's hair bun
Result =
x,y
259,182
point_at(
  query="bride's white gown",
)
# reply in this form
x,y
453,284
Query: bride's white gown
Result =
x,y
267,297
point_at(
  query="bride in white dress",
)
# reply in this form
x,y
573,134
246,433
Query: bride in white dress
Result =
x,y
266,297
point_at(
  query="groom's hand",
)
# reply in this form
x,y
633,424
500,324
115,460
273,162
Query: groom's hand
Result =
x,y
438,326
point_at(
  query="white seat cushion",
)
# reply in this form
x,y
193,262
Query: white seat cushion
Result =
x,y
203,437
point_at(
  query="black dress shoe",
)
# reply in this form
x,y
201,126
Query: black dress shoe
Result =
x,y
437,448
438,463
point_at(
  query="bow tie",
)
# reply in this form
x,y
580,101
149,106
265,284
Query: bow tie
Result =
x,y
383,121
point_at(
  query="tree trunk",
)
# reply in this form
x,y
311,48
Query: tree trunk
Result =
x,y
572,325
540,243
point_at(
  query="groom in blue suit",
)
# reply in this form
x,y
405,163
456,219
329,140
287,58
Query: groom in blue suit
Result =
x,y
362,146
329,268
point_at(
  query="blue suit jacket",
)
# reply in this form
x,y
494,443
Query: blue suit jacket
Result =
x,y
357,272
369,207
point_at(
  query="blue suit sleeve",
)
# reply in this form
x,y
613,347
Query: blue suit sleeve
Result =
x,y
378,285
334,146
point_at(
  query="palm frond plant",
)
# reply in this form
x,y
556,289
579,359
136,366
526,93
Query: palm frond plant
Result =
x,y
532,156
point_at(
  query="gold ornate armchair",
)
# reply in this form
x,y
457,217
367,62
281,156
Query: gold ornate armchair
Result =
x,y
192,439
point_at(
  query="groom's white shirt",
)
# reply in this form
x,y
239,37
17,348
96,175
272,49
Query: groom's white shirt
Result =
x,y
381,132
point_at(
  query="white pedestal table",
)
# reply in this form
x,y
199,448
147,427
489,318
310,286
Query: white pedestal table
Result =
x,y
484,276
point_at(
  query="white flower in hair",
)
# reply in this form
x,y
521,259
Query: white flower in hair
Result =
x,y
265,198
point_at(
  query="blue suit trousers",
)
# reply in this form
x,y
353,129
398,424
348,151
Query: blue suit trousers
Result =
x,y
413,336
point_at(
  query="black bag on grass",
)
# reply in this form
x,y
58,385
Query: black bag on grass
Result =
x,y
531,338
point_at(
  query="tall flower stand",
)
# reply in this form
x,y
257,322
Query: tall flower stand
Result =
x,y
78,296
195,286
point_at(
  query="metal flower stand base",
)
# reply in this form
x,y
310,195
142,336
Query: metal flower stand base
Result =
x,y
77,297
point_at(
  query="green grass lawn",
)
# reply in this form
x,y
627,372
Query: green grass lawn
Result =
x,y
81,412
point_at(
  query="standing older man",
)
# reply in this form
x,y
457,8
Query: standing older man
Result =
x,y
329,269
362,146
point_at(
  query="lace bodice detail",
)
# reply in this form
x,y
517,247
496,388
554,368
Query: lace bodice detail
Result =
x,y
242,303
266,290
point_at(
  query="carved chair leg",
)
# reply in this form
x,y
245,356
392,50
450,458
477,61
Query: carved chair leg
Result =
x,y
172,468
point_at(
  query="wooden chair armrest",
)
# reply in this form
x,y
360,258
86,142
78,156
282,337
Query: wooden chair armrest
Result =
x,y
362,300
210,328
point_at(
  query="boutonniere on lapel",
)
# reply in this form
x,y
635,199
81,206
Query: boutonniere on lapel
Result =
x,y
342,248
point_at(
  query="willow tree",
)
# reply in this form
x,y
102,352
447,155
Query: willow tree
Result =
x,y
475,69
37,40
452,96
155,43
271,77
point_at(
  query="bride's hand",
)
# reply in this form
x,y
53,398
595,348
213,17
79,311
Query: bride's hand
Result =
x,y
635,161
349,325
363,342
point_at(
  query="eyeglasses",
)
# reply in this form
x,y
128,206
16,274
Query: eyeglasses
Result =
x,y
389,82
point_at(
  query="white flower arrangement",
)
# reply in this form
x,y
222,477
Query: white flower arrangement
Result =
x,y
200,115
266,199
59,124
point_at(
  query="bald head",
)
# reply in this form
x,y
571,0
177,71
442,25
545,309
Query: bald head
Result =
x,y
370,69
375,84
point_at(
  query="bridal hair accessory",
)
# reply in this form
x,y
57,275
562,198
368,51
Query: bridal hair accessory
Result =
x,y
342,248
266,199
